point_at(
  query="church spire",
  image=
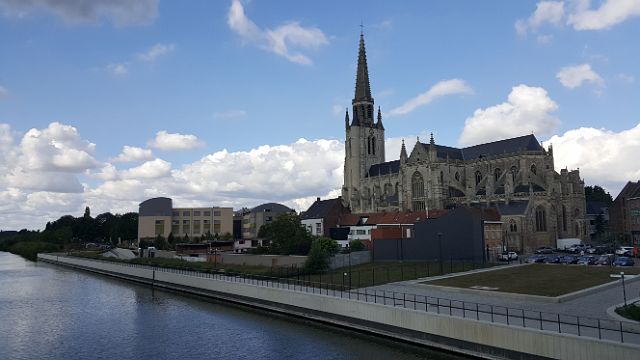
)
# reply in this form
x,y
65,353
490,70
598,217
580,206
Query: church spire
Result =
x,y
379,123
403,153
346,117
363,89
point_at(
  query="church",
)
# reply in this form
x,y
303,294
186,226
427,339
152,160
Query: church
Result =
x,y
515,176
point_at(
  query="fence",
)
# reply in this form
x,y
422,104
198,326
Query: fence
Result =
x,y
612,330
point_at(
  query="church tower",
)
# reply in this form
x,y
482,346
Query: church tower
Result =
x,y
364,142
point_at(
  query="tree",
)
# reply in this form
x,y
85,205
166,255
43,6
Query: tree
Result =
x,y
328,245
287,235
357,245
597,193
318,258
171,240
186,238
161,243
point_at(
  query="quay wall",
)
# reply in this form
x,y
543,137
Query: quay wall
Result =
x,y
471,337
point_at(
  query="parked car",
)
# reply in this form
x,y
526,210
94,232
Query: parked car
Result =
x,y
569,259
544,250
623,261
552,259
586,260
576,249
603,260
598,250
535,258
624,250
508,256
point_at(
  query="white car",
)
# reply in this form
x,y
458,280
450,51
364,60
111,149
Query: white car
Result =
x,y
506,256
624,250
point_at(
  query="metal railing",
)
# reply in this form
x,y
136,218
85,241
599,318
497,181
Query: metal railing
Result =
x,y
612,330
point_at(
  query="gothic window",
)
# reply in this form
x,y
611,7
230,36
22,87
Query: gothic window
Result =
x,y
388,189
564,218
441,177
478,177
497,173
396,192
369,145
533,169
541,219
373,145
513,227
457,176
417,191
514,172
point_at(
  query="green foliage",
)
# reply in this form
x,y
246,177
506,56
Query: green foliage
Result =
x,y
30,249
226,237
161,243
287,235
318,258
597,193
357,245
631,311
328,245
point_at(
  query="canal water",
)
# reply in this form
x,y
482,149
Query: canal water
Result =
x,y
52,312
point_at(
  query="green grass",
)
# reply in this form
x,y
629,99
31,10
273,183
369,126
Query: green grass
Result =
x,y
631,311
537,279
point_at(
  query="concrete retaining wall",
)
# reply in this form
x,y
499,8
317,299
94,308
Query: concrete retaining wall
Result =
x,y
478,338
264,260
342,260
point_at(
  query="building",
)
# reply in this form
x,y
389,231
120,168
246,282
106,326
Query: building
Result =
x,y
624,214
322,216
157,216
252,220
435,176
597,211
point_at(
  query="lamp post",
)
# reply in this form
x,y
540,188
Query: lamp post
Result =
x,y
349,250
624,291
440,250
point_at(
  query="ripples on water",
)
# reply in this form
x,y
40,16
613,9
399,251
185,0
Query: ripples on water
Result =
x,y
51,312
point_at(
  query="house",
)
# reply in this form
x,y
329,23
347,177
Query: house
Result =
x,y
624,214
323,215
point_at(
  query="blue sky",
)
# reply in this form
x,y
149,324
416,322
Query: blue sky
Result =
x,y
212,97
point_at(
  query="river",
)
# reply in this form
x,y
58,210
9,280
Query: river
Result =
x,y
51,312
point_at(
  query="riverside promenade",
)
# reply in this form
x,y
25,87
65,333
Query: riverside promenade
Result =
x,y
476,329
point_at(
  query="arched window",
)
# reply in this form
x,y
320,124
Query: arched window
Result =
x,y
388,189
497,173
564,218
441,177
513,227
478,177
514,172
457,176
577,230
369,145
373,145
541,219
417,192
533,169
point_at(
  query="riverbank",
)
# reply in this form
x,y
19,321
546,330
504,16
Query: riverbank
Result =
x,y
414,320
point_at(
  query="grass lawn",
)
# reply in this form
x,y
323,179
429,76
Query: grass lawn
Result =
x,y
631,311
537,279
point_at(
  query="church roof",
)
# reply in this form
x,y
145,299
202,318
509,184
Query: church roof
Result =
x,y
517,144
363,89
389,167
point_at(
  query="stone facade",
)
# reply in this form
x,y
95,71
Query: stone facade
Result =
x,y
435,176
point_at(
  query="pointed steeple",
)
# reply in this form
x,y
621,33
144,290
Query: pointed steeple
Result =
x,y
363,88
403,153
346,117
379,123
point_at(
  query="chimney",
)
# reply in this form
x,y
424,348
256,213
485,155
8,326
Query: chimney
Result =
x,y
318,198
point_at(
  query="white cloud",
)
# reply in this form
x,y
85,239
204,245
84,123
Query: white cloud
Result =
x,y
120,12
546,12
229,114
528,109
156,51
166,141
628,78
132,153
604,157
279,40
119,69
442,88
609,14
3,92
573,76
149,170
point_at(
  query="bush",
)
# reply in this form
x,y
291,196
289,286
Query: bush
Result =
x,y
357,245
30,249
318,258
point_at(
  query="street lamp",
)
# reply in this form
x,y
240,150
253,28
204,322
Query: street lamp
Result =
x,y
349,250
624,291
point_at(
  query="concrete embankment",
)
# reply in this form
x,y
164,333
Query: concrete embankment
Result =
x,y
468,336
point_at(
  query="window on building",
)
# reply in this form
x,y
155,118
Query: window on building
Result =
x,y
497,174
216,213
417,192
457,176
196,226
206,226
186,213
207,213
318,228
216,228
514,172
564,218
441,177
478,177
268,218
541,219
513,227
361,232
175,213
185,222
533,169
159,229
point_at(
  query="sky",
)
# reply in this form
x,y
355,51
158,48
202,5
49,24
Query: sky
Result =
x,y
106,103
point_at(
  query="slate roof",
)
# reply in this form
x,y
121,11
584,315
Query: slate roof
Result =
x,y
513,207
389,167
521,143
320,209
631,190
275,207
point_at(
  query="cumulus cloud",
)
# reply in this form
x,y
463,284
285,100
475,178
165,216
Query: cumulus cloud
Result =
x,y
132,153
574,76
441,89
156,51
528,109
229,114
609,14
604,157
550,12
119,69
169,142
149,170
3,92
119,12
279,40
